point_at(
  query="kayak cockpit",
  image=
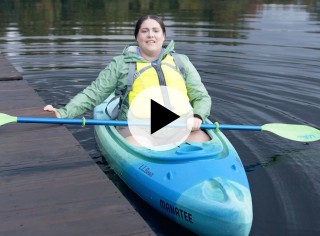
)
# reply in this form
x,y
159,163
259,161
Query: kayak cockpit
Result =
x,y
184,152
187,151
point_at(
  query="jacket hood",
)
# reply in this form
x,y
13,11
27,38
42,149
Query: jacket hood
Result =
x,y
130,52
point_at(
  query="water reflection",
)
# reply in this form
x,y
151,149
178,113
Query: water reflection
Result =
x,y
254,167
112,17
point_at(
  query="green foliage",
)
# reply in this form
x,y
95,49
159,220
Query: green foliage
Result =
x,y
45,16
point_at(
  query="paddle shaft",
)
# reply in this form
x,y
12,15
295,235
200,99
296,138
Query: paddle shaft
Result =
x,y
21,119
300,133
232,127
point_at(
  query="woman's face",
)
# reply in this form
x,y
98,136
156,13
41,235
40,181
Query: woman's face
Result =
x,y
150,38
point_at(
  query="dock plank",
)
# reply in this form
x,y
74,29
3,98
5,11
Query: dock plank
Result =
x,y
8,72
48,183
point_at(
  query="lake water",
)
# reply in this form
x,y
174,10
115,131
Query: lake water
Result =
x,y
259,60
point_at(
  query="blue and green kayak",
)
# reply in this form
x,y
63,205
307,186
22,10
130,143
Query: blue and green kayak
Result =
x,y
201,186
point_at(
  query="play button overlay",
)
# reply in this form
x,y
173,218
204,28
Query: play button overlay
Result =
x,y
158,116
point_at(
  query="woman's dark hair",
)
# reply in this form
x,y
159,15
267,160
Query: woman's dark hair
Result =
x,y
143,18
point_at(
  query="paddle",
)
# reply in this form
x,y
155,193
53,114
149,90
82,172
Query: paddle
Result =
x,y
300,133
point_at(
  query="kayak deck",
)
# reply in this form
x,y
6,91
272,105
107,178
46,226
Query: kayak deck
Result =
x,y
202,186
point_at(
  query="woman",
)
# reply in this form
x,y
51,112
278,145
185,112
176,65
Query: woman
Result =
x,y
150,34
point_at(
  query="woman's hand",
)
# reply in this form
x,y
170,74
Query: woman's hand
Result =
x,y
194,123
50,108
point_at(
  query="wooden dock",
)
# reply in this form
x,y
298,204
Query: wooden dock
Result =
x,y
48,184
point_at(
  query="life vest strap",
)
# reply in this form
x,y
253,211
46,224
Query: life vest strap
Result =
x,y
133,74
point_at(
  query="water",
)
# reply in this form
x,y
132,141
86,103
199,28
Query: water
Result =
x,y
260,62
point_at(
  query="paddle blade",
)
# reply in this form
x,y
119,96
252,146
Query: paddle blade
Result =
x,y
5,119
300,133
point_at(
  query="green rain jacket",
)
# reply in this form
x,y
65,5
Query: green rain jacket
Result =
x,y
115,77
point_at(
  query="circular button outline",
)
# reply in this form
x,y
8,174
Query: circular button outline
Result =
x,y
139,118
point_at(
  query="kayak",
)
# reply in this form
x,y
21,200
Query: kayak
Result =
x,y
201,186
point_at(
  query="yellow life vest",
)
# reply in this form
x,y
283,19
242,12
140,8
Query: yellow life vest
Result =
x,y
166,74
